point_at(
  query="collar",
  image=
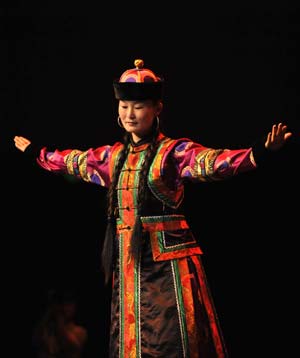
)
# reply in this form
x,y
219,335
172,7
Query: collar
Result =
x,y
144,142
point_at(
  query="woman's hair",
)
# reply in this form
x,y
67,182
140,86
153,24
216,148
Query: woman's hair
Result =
x,y
136,241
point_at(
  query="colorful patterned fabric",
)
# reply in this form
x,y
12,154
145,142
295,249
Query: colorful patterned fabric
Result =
x,y
139,74
136,75
161,304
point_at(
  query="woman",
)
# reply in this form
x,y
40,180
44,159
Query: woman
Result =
x,y
161,304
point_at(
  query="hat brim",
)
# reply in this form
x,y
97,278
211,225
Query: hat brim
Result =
x,y
135,91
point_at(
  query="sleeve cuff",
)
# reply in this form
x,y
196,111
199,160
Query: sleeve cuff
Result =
x,y
261,154
32,151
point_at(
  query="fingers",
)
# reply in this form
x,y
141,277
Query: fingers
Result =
x,y
273,132
278,130
267,142
287,135
21,142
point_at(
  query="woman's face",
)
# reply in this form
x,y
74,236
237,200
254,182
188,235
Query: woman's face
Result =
x,y
137,116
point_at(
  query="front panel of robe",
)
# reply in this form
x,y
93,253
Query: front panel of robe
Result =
x,y
161,305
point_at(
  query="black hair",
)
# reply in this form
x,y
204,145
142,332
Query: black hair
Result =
x,y
137,236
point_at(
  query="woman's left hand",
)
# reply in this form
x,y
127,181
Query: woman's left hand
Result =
x,y
277,137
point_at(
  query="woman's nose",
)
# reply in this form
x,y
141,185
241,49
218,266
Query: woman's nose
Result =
x,y
131,114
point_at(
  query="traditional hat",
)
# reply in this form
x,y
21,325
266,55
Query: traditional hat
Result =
x,y
138,83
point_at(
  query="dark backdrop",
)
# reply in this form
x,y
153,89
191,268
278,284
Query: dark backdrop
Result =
x,y
231,72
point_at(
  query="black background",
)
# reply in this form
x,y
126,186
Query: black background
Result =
x,y
230,72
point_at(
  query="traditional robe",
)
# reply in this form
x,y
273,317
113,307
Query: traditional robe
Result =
x,y
161,303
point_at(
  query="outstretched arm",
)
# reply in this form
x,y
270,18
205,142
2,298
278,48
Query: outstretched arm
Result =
x,y
91,165
198,163
277,137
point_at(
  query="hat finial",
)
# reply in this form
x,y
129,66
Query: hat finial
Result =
x,y
138,63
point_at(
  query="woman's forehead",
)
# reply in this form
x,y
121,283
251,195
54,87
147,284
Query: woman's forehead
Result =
x,y
145,102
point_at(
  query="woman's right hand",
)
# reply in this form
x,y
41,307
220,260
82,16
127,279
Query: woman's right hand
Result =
x,y
21,143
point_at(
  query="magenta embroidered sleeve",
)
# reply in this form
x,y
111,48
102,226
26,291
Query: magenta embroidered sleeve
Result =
x,y
91,165
200,163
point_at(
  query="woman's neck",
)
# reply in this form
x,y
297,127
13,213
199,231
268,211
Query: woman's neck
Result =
x,y
135,140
